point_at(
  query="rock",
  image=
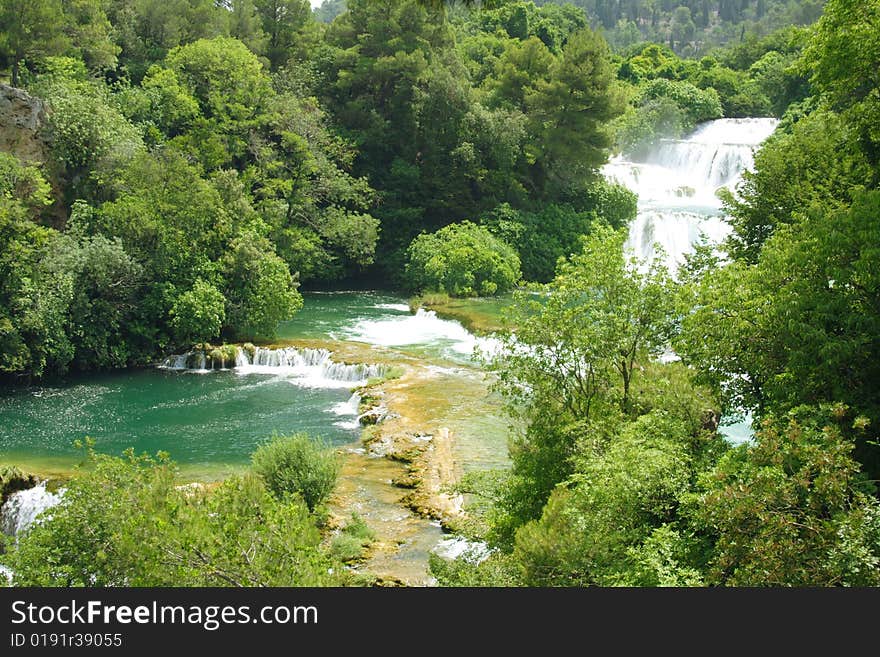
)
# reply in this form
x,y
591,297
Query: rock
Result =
x,y
22,119
13,480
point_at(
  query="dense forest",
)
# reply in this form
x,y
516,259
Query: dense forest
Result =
x,y
196,162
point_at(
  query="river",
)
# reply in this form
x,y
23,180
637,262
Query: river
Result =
x,y
209,418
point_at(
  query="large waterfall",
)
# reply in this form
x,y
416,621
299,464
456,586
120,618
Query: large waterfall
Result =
x,y
313,368
678,181
22,508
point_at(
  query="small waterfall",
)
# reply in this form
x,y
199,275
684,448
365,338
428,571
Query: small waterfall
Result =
x,y
349,410
22,508
678,182
306,367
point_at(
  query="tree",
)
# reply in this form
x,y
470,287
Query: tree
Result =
x,y
260,291
570,368
246,26
284,22
123,522
199,314
792,510
593,526
569,112
799,326
32,29
32,306
461,259
297,465
233,92
90,33
102,319
844,56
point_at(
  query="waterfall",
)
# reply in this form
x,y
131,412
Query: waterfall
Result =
x,y
678,181
22,508
314,368
349,411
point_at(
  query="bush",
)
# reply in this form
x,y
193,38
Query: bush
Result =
x,y
297,465
463,260
124,522
353,540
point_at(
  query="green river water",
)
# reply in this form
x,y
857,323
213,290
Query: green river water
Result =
x,y
210,423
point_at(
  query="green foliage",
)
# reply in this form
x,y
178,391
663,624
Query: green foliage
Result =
x,y
199,314
90,137
32,305
122,522
261,292
31,29
101,316
813,165
843,56
568,114
352,541
573,359
611,502
496,570
792,510
772,340
299,466
463,260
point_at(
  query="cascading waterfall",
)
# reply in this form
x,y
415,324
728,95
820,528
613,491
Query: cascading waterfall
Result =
x,y
677,185
306,367
22,508
348,412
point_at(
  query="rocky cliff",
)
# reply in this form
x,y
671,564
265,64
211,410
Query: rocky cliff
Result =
x,y
22,118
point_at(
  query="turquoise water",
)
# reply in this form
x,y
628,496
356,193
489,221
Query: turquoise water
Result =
x,y
206,421
216,418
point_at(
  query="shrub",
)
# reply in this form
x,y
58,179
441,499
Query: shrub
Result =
x,y
297,465
463,260
353,540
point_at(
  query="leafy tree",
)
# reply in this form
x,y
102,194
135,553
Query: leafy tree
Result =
x,y
102,315
844,55
123,522
574,359
797,327
813,164
199,314
90,33
32,29
260,292
232,90
90,137
611,504
148,29
462,259
32,308
792,510
284,22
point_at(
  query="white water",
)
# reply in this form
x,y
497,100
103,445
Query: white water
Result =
x,y
423,328
308,368
678,182
22,508
348,410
